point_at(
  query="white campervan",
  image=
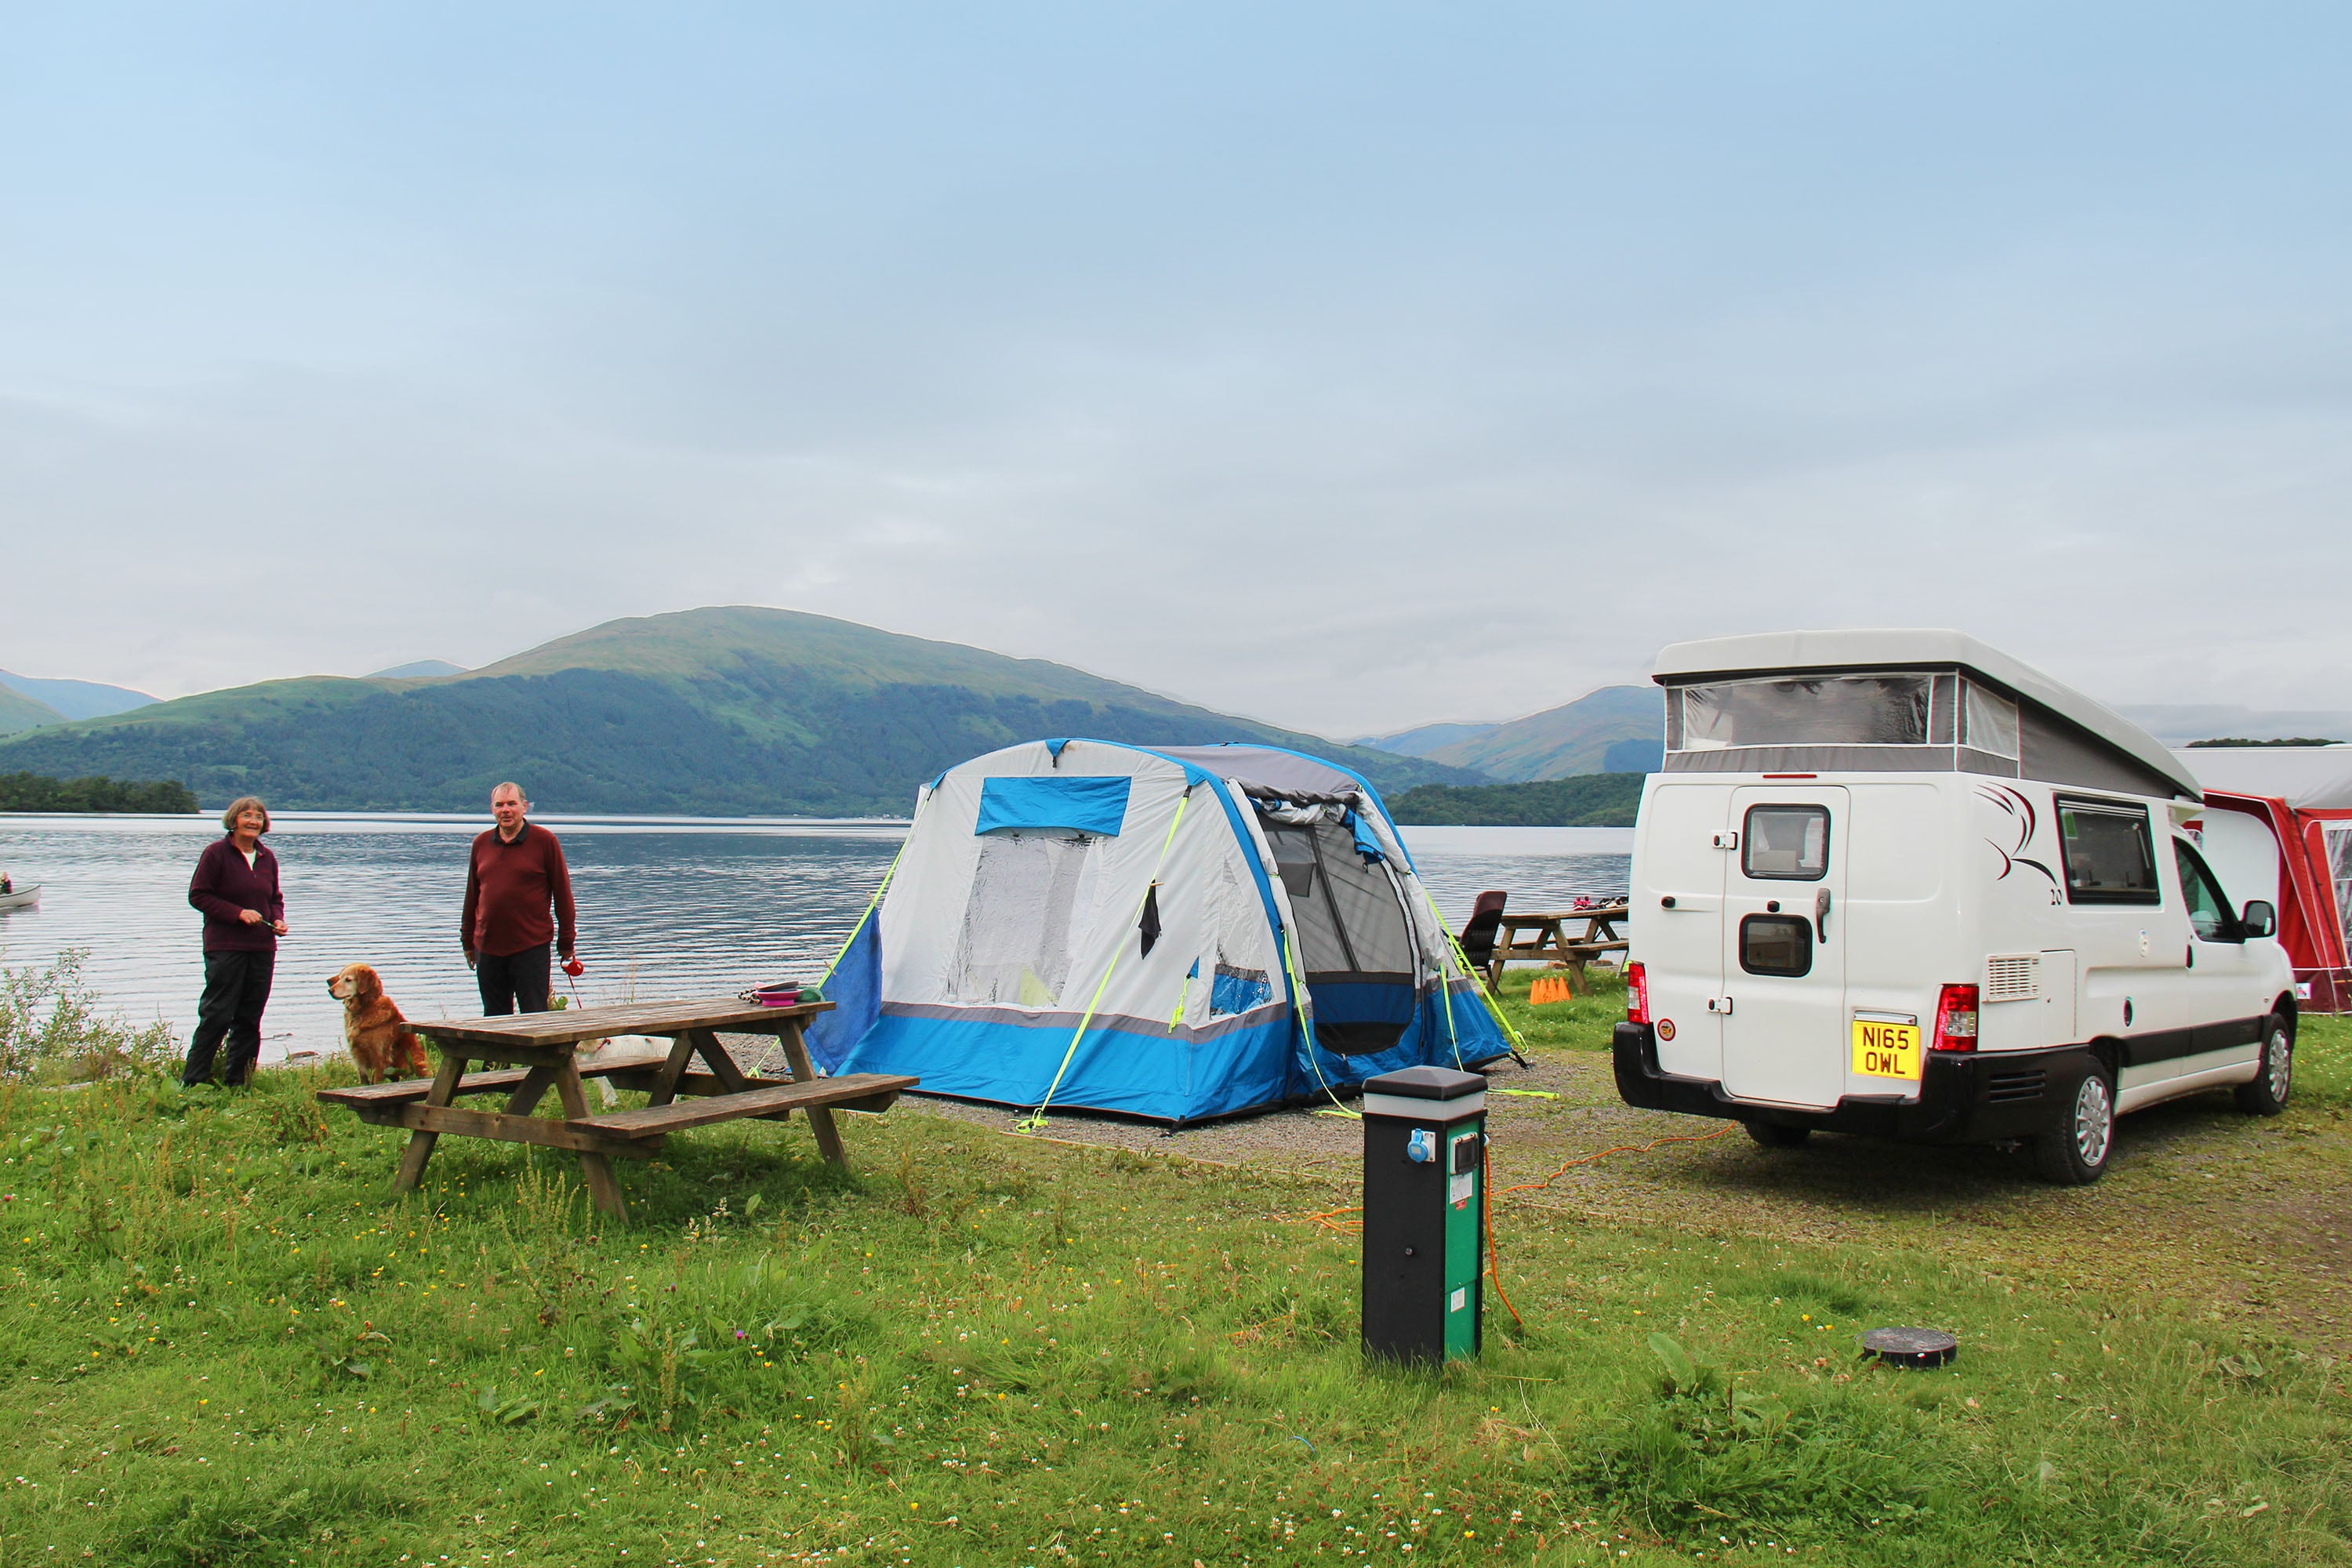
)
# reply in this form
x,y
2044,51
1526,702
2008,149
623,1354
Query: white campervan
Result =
x,y
1894,882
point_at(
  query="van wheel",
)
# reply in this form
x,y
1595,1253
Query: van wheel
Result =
x,y
2266,1095
2072,1151
1772,1135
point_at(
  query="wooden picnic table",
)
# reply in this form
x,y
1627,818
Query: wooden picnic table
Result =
x,y
1542,934
540,1050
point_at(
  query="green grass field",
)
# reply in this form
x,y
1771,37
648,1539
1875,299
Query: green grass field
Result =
x,y
224,1343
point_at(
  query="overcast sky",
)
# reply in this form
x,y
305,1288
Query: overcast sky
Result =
x,y
1350,366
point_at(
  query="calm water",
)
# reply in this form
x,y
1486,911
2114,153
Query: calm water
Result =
x,y
668,906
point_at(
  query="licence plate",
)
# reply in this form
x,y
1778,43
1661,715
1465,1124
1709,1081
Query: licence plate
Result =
x,y
1886,1050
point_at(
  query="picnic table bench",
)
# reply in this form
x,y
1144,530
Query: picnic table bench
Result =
x,y
1543,935
546,1046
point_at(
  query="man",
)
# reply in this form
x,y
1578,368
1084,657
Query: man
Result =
x,y
516,874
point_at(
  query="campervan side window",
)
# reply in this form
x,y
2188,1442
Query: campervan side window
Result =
x,y
2110,857
2208,909
1786,843
1813,710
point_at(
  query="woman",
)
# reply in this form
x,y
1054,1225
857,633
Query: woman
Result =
x,y
236,887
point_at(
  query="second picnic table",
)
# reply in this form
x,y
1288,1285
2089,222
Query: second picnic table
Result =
x,y
540,1050
1543,934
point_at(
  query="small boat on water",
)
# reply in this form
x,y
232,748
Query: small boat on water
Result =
x,y
22,898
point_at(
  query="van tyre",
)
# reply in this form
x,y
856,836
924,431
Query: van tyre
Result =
x,y
1773,1135
2073,1151
2266,1095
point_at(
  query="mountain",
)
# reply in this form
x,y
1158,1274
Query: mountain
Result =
x,y
2177,723
715,711
18,711
422,670
1616,729
76,699
1427,738
1594,800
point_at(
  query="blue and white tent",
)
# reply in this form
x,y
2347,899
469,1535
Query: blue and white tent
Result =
x,y
1175,933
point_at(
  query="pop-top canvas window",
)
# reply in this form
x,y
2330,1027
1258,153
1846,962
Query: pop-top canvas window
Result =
x,y
1786,843
1014,947
1989,722
1811,710
2110,858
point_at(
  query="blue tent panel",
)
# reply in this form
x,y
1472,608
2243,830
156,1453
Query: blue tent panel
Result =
x,y
1133,1067
1078,804
855,989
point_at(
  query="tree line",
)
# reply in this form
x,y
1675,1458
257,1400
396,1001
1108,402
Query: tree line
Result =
x,y
35,791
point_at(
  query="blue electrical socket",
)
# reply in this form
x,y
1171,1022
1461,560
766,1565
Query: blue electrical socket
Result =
x,y
1421,1147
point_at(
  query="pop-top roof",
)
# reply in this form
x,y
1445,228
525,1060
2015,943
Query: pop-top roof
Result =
x,y
2309,778
1784,653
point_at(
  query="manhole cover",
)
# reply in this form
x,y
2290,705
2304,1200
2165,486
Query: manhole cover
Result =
x,y
1911,1347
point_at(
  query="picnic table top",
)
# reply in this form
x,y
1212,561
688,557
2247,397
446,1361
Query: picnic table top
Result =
x,y
571,1026
1595,912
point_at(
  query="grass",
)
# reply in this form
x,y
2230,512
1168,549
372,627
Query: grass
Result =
x,y
227,1345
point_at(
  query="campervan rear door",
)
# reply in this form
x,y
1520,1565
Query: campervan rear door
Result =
x,y
1784,1036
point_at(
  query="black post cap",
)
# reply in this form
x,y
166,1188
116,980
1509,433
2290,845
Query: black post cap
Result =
x,y
1427,1083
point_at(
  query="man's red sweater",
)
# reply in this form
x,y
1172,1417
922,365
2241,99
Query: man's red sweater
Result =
x,y
508,888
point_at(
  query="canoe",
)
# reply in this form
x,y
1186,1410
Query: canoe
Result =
x,y
22,898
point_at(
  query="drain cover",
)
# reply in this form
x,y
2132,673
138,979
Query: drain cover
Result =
x,y
1910,1347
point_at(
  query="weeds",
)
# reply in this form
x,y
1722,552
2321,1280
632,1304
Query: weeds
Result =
x,y
53,1030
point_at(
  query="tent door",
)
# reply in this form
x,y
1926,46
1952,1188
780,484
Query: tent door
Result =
x,y
1355,942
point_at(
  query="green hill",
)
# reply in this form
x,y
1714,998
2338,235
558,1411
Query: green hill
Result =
x,y
1618,729
20,712
1596,800
730,711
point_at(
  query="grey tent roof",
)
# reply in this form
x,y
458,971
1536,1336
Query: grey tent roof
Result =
x,y
1783,653
1267,766
2310,778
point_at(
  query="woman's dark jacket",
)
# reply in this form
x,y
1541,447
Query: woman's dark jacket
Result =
x,y
224,886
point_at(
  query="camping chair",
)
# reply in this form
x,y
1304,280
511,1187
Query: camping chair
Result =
x,y
1478,938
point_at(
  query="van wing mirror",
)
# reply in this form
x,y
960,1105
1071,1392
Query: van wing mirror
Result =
x,y
2260,918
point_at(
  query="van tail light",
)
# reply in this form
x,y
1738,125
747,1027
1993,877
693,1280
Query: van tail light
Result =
x,y
1956,1019
1637,993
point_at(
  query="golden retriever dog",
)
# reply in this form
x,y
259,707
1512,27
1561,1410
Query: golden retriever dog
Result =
x,y
379,1037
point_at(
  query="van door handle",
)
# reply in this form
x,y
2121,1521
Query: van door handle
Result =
x,y
1821,911
1718,1004
2190,961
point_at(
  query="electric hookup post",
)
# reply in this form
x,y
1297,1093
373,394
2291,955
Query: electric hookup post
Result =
x,y
1425,1163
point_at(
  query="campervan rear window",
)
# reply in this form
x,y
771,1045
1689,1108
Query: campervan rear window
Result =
x,y
1813,710
1785,843
2110,858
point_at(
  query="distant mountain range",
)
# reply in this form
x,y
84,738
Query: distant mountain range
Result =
x,y
423,668
718,711
1616,729
53,701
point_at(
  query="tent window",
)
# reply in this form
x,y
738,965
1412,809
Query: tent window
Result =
x,y
2339,861
1236,990
1014,947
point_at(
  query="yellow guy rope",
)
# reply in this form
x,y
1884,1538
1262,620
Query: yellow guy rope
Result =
x,y
1306,1028
1455,946
1036,1118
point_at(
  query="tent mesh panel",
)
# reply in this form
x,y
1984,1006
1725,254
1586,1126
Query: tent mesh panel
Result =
x,y
1014,947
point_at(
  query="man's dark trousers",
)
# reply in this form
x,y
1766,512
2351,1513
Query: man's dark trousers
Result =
x,y
514,982
236,988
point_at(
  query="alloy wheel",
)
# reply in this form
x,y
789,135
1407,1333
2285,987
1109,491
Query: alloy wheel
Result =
x,y
2281,1060
2095,1121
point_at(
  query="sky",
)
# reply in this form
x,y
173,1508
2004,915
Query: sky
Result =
x,y
1348,366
